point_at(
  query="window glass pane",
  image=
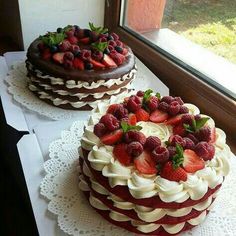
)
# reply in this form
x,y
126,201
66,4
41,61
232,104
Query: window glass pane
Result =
x,y
200,35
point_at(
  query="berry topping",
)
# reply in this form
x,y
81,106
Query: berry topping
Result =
x,y
134,135
108,61
75,49
120,153
193,138
132,119
158,116
119,44
204,134
86,55
142,115
152,142
197,117
134,103
167,99
119,49
189,144
176,139
88,66
183,110
96,64
140,93
46,55
78,63
174,108
117,58
114,36
85,40
152,103
160,154
134,149
172,151
145,164
187,119
97,55
100,129
205,150
173,174
73,39
79,33
174,120
112,43
64,46
112,138
53,49
192,162
69,33
179,130
68,56
112,108
179,100
120,112
58,57
110,122
163,106
213,135
68,64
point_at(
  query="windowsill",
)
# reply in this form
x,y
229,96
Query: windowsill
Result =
x,y
215,67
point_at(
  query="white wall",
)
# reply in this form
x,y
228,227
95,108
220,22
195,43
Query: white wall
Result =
x,y
40,16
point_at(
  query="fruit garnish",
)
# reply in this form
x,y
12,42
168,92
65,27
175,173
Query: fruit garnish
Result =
x,y
100,129
100,46
140,93
58,57
167,99
86,55
205,150
142,115
134,149
145,164
110,122
173,174
127,127
97,55
112,138
192,162
213,135
125,51
189,144
151,143
73,39
179,129
52,38
99,30
183,110
134,103
160,154
85,40
97,64
147,96
108,61
179,100
163,106
46,55
177,139
134,135
152,103
174,120
78,63
112,108
196,124
174,108
117,57
203,134
178,158
132,119
158,116
120,153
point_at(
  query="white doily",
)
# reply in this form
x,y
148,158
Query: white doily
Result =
x,y
76,216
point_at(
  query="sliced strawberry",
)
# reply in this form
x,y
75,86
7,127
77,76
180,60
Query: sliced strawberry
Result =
x,y
132,119
85,40
112,108
58,57
172,174
97,64
180,130
145,164
125,51
142,115
112,138
192,162
108,62
174,120
46,55
158,116
73,40
213,135
120,153
78,63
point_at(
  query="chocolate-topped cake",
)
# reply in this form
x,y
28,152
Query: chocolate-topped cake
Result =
x,y
76,68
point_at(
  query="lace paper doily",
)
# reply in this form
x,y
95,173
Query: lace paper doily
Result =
x,y
76,217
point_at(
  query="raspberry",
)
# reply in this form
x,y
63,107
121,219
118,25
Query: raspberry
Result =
x,y
163,106
110,122
64,46
134,103
172,151
68,64
115,36
111,48
160,154
102,40
167,99
120,112
140,93
152,142
134,149
189,144
68,56
197,117
86,55
176,139
119,43
205,150
69,33
183,110
99,129
187,119
117,57
97,55
75,49
152,103
204,134
179,100
134,135
174,108
193,138
112,43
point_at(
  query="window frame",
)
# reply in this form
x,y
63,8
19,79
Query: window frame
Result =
x,y
212,101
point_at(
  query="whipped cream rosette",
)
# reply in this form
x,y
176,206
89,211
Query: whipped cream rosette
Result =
x,y
151,164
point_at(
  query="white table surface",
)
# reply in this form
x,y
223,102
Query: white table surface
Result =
x,y
33,148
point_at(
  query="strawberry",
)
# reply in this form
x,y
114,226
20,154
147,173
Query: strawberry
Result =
x,y
179,129
158,116
112,138
172,174
125,51
78,63
108,62
73,40
112,108
142,115
192,162
120,153
213,135
97,64
58,57
85,40
46,55
132,119
174,120
145,164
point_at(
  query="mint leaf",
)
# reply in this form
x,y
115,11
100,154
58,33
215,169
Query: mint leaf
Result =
x,y
194,125
51,38
167,143
158,95
126,127
147,95
99,30
201,122
67,28
100,46
188,128
178,158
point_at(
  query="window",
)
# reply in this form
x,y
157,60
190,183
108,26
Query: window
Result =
x,y
200,36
